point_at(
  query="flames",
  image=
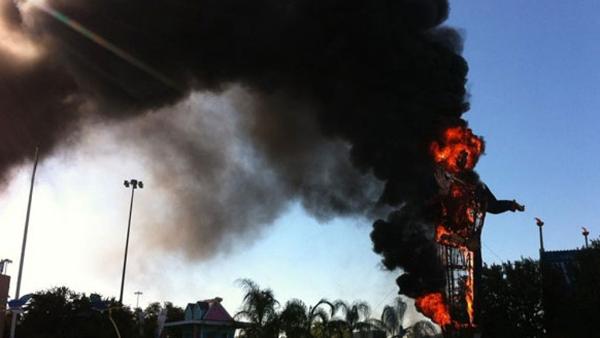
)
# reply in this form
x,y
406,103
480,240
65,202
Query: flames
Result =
x,y
434,306
458,150
471,215
469,284
441,233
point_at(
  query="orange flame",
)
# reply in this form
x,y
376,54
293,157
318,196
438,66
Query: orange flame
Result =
x,y
458,150
471,215
433,306
440,232
469,285
445,236
455,191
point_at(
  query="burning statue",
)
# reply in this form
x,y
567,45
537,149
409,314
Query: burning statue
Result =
x,y
462,203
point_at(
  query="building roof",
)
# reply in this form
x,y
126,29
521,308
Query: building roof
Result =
x,y
564,262
207,312
216,312
559,256
210,309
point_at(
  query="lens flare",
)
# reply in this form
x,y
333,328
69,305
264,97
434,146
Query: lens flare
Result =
x,y
104,43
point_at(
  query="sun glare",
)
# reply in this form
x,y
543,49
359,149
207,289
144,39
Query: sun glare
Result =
x,y
15,43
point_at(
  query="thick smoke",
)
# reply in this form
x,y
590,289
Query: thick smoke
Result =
x,y
219,188
333,82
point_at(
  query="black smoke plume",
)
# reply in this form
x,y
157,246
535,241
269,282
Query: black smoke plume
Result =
x,y
344,91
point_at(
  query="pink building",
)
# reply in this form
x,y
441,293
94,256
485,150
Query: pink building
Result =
x,y
204,319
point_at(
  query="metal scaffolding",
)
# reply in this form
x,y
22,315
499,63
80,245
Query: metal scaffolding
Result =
x,y
460,254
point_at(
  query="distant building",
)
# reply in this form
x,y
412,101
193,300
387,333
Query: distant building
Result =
x,y
563,263
569,297
205,319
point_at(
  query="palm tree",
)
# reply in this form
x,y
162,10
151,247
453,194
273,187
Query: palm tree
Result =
x,y
423,329
297,321
318,318
293,319
392,318
355,318
259,306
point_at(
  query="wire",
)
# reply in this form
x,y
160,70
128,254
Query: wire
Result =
x,y
385,299
493,252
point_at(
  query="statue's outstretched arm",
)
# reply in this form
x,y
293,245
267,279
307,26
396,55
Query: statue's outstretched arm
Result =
x,y
495,206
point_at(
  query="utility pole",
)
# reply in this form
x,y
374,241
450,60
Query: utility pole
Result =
x,y
20,275
134,185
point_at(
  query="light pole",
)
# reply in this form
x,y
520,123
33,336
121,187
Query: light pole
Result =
x,y
13,323
137,301
134,185
4,265
585,233
540,224
139,312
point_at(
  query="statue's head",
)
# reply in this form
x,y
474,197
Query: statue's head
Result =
x,y
461,160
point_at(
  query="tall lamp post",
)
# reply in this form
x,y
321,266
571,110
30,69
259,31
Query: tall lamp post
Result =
x,y
137,301
585,233
4,265
540,224
13,324
134,184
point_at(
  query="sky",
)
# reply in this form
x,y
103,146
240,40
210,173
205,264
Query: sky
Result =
x,y
534,86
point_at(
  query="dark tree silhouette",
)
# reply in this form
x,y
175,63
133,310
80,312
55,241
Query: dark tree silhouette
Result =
x,y
259,307
423,329
572,295
62,313
511,300
355,317
392,318
298,321
294,320
150,318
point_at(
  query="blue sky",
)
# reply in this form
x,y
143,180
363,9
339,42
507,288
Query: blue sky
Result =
x,y
535,86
